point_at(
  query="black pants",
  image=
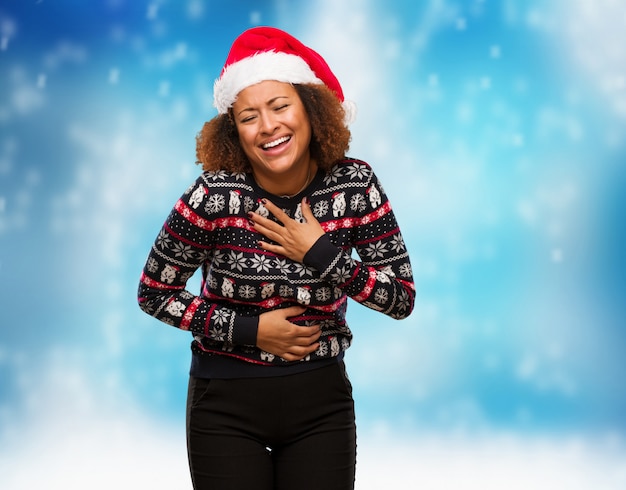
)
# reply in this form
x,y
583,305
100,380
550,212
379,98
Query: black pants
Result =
x,y
293,432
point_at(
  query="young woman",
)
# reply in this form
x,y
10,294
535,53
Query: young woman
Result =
x,y
272,222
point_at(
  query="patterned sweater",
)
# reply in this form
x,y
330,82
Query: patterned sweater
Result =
x,y
209,229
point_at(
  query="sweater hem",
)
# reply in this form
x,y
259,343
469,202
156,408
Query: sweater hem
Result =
x,y
217,366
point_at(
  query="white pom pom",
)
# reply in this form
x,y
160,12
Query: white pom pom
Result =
x,y
349,108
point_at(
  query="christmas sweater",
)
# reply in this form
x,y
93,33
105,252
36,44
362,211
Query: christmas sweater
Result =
x,y
208,229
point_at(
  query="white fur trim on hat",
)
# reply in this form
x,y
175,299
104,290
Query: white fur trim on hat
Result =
x,y
266,65
349,109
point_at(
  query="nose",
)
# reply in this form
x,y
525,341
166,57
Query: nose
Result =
x,y
268,122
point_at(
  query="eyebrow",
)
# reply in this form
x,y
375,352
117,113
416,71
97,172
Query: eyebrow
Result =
x,y
269,102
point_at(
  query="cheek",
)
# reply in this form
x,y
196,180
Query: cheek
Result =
x,y
306,126
247,144
308,132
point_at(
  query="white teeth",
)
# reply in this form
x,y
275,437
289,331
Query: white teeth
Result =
x,y
277,142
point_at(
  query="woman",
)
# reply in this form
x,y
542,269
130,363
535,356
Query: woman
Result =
x,y
271,222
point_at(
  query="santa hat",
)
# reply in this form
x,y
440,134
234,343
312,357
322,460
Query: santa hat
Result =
x,y
267,53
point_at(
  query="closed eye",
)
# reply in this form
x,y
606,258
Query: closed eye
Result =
x,y
247,119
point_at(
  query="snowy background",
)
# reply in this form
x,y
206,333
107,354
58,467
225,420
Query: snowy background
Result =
x,y
499,131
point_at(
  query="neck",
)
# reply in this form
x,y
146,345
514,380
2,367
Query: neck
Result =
x,y
287,186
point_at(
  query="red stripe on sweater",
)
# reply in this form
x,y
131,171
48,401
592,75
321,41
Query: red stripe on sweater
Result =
x,y
151,283
340,223
228,222
185,323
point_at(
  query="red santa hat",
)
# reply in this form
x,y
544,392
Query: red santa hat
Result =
x,y
267,53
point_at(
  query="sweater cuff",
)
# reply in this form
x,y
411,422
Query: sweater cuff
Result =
x,y
245,330
322,255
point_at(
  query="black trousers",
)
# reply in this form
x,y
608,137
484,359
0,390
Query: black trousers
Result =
x,y
293,432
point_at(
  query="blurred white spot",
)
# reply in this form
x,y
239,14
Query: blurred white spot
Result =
x,y
537,19
495,51
556,350
461,24
465,113
553,122
3,204
26,99
593,39
9,148
41,81
557,255
8,29
485,83
114,76
179,111
433,80
527,367
153,11
255,17
517,140
195,9
560,197
33,178
118,33
65,52
164,88
171,56
520,85
613,82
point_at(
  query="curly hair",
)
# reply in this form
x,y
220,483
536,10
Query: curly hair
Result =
x,y
218,147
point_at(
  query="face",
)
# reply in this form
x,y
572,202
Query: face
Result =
x,y
274,130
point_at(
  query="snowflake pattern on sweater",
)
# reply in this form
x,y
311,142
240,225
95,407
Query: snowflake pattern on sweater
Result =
x,y
208,228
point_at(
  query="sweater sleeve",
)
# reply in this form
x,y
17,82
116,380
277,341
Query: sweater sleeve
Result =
x,y
382,279
183,245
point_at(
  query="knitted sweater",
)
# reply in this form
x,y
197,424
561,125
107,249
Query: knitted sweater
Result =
x,y
209,229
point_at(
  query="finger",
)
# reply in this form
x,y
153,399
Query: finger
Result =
x,y
311,339
307,335
275,249
264,224
306,209
271,230
298,353
276,211
309,217
272,235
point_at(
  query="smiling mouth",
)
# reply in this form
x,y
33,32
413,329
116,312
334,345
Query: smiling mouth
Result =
x,y
275,143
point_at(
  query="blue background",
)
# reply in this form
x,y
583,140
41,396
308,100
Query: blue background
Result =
x,y
499,132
